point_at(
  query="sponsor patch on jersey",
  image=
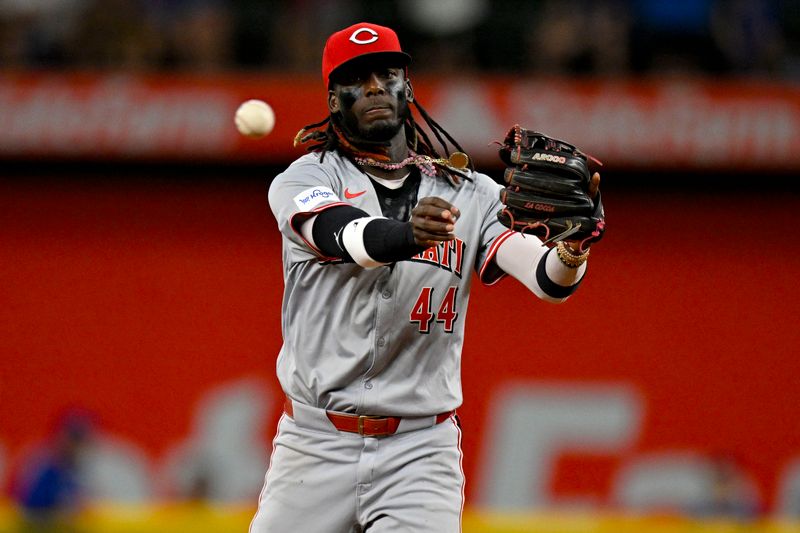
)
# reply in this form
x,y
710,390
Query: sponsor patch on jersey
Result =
x,y
311,198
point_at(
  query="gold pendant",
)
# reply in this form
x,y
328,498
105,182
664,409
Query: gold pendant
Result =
x,y
459,160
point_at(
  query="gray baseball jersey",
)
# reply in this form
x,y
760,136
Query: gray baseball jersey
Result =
x,y
385,341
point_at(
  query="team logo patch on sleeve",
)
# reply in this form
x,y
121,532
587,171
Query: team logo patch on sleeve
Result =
x,y
311,198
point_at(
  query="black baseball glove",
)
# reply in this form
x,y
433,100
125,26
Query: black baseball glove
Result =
x,y
547,191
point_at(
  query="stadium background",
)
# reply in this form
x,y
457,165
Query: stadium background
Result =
x,y
141,278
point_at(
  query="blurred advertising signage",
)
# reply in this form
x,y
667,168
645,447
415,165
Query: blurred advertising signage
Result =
x,y
131,117
668,123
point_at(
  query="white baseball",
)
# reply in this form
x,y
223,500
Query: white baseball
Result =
x,y
255,118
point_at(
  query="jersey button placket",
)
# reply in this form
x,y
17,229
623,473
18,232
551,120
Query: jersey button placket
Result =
x,y
383,311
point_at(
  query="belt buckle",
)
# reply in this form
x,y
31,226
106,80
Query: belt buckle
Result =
x,y
362,418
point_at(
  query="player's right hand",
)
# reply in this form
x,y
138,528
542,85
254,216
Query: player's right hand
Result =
x,y
433,220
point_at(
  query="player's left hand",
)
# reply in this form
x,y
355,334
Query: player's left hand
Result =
x,y
594,188
433,221
550,190
594,185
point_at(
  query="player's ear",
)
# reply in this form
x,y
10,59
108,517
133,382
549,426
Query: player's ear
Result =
x,y
333,102
409,91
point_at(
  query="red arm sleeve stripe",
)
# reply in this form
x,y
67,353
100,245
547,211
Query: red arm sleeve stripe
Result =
x,y
490,257
298,219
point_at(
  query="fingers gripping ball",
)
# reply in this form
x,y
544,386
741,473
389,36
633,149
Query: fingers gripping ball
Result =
x,y
255,118
548,190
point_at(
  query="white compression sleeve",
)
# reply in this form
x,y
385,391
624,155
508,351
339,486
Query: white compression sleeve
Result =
x,y
356,237
525,258
353,241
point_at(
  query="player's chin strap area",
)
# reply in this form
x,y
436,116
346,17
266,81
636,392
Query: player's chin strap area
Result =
x,y
365,425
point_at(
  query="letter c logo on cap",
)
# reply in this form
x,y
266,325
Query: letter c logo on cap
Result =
x,y
373,36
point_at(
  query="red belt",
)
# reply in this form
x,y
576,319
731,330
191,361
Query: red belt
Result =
x,y
365,425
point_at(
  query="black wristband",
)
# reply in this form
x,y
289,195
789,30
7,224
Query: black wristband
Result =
x,y
388,241
385,240
550,287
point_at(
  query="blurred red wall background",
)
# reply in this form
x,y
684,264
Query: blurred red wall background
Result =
x,y
130,295
130,290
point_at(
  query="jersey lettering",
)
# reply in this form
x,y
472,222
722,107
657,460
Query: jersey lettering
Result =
x,y
446,255
431,255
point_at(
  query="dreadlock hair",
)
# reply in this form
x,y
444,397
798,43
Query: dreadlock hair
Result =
x,y
333,138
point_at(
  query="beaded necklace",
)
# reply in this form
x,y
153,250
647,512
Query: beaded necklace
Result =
x,y
424,163
380,159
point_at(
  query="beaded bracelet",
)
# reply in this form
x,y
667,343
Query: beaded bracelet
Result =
x,y
568,258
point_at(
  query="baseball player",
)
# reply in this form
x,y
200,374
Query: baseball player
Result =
x,y
380,234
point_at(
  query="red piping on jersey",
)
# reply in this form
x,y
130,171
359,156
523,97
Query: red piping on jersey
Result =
x,y
307,215
500,239
463,476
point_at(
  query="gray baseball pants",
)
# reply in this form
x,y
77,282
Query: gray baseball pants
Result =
x,y
321,480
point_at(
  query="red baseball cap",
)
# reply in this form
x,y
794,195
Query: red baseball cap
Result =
x,y
360,40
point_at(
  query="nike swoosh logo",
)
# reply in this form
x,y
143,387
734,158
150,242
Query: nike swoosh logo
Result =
x,y
350,195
